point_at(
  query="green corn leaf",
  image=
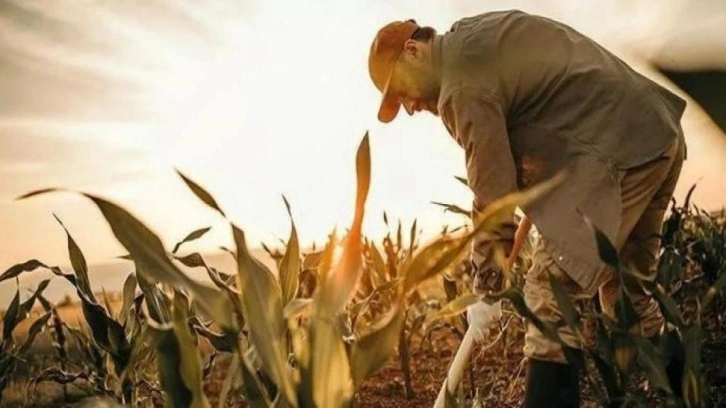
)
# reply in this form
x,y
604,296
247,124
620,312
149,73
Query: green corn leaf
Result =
x,y
148,252
17,269
194,235
453,308
717,287
78,262
35,329
325,262
372,350
609,377
447,252
358,309
653,361
329,377
605,248
221,342
155,303
150,258
343,278
193,260
128,293
450,288
667,304
433,259
625,313
572,318
27,305
296,307
462,180
180,368
687,202
201,193
263,312
452,208
290,264
412,236
399,235
378,263
252,388
624,351
10,320
232,372
107,333
39,192
516,297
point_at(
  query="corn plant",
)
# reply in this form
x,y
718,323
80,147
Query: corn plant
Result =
x,y
12,352
112,338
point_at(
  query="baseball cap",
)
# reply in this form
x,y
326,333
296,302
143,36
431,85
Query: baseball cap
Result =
x,y
385,50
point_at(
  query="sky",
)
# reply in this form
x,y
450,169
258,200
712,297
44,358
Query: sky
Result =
x,y
259,99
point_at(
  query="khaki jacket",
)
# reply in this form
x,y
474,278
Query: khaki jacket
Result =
x,y
525,97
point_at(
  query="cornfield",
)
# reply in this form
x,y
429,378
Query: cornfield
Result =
x,y
311,333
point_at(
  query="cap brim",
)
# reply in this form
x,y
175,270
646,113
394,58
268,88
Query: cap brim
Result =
x,y
389,109
389,103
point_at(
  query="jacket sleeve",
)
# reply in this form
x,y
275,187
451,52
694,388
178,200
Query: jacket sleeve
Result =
x,y
479,125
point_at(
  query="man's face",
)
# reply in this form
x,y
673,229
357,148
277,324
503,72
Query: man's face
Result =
x,y
414,81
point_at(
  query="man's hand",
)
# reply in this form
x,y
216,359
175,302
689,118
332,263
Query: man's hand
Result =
x,y
487,275
487,279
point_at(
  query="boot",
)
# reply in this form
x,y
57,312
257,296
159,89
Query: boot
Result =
x,y
552,385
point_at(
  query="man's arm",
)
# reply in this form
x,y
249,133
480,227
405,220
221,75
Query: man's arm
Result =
x,y
479,126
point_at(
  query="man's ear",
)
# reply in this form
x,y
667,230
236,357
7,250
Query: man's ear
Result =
x,y
413,49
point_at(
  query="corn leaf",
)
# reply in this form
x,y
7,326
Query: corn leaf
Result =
x,y
35,329
329,375
653,361
296,307
625,312
191,237
17,269
572,318
372,350
290,264
232,371
10,320
157,307
148,252
252,388
27,305
453,208
433,259
129,291
226,342
412,237
453,308
178,363
339,285
378,263
201,193
78,262
262,306
325,262
462,180
605,248
717,287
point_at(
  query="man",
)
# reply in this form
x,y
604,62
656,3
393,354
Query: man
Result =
x,y
527,97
